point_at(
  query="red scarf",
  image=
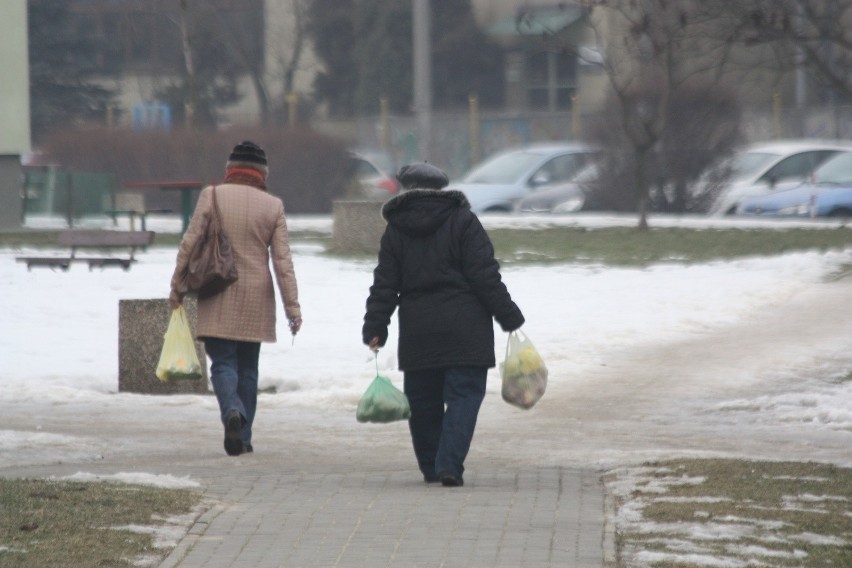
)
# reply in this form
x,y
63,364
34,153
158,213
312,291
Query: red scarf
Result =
x,y
245,176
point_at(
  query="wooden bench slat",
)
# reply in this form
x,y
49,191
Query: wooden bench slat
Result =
x,y
94,239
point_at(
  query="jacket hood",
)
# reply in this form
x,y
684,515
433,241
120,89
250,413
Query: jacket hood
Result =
x,y
419,212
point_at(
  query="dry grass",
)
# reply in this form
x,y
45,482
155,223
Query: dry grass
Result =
x,y
717,512
48,523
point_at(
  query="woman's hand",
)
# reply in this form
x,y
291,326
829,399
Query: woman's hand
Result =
x,y
374,344
175,300
295,325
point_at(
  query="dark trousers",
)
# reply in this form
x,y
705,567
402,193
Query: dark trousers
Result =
x,y
233,372
444,407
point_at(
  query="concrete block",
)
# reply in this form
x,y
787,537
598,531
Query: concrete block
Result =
x,y
357,225
141,325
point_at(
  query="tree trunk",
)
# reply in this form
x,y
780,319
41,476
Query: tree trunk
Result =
x,y
192,103
641,180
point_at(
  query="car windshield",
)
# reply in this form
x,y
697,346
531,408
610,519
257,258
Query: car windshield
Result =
x,y
748,164
837,170
503,169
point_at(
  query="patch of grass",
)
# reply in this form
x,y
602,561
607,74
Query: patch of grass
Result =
x,y
614,246
48,238
49,523
685,513
626,246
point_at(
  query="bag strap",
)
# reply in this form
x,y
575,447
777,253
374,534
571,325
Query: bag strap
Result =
x,y
216,213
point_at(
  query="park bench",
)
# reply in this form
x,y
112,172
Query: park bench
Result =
x,y
95,240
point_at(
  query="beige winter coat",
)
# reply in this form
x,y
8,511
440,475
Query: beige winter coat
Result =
x,y
255,223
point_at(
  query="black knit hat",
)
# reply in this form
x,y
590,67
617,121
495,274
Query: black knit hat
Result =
x,y
422,176
248,153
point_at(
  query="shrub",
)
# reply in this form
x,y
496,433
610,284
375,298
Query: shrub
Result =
x,y
307,169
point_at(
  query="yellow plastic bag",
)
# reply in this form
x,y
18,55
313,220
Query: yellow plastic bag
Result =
x,y
524,372
178,359
382,402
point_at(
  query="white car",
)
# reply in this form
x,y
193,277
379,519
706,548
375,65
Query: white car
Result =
x,y
500,181
370,175
763,168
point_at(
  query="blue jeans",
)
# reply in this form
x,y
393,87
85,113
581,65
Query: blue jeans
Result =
x,y
441,435
233,372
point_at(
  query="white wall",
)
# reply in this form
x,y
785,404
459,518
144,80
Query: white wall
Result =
x,y
15,83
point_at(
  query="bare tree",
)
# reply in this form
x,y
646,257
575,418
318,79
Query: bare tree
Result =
x,y
653,50
812,35
192,102
289,54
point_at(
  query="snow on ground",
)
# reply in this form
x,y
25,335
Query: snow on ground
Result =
x,y
59,343
743,358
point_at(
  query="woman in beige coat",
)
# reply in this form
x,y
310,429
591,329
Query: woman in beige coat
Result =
x,y
234,322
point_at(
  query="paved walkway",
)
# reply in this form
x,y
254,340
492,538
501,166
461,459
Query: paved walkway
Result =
x,y
264,512
549,517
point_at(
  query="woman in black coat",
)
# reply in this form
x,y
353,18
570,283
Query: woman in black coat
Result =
x,y
436,263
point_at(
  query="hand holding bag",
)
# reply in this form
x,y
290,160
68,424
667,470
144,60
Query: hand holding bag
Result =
x,y
178,358
211,267
524,372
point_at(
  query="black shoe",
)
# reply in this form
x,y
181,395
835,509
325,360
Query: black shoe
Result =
x,y
247,449
233,428
450,480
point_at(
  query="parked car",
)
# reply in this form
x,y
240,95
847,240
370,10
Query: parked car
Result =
x,y
566,197
771,166
370,176
498,182
828,194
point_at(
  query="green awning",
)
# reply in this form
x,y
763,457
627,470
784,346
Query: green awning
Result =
x,y
538,21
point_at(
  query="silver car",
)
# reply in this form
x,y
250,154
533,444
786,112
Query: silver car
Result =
x,y
500,181
566,197
772,166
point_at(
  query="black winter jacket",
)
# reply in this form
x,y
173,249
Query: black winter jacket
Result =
x,y
437,264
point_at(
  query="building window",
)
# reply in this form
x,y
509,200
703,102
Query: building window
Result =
x,y
551,80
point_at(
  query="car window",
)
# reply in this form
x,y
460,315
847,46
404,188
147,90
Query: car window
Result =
x,y
796,166
362,168
503,169
589,172
835,170
747,164
560,168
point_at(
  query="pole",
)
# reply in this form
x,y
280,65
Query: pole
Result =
x,y
422,75
575,119
776,115
292,102
383,120
474,129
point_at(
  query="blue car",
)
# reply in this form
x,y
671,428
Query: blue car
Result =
x,y
828,194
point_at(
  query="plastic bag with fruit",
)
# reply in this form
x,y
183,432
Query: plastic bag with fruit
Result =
x,y
178,358
524,372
